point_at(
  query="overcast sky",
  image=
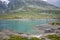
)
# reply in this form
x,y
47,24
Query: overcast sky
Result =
x,y
55,2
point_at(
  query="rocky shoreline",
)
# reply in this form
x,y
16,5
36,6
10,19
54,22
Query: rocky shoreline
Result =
x,y
47,30
6,33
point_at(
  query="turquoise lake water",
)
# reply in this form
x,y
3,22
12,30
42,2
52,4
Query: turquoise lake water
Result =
x,y
23,25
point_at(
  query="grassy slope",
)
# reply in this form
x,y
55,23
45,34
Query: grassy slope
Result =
x,y
32,13
28,15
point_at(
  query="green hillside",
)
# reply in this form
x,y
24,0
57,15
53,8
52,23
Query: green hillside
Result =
x,y
32,13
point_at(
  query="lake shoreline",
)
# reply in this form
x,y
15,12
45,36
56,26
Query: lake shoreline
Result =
x,y
27,19
8,32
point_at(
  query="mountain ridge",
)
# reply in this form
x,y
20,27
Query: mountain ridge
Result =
x,y
16,4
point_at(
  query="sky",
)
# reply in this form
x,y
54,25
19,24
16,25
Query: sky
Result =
x,y
55,2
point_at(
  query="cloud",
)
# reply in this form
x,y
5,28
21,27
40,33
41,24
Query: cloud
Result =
x,y
5,1
55,2
44,0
